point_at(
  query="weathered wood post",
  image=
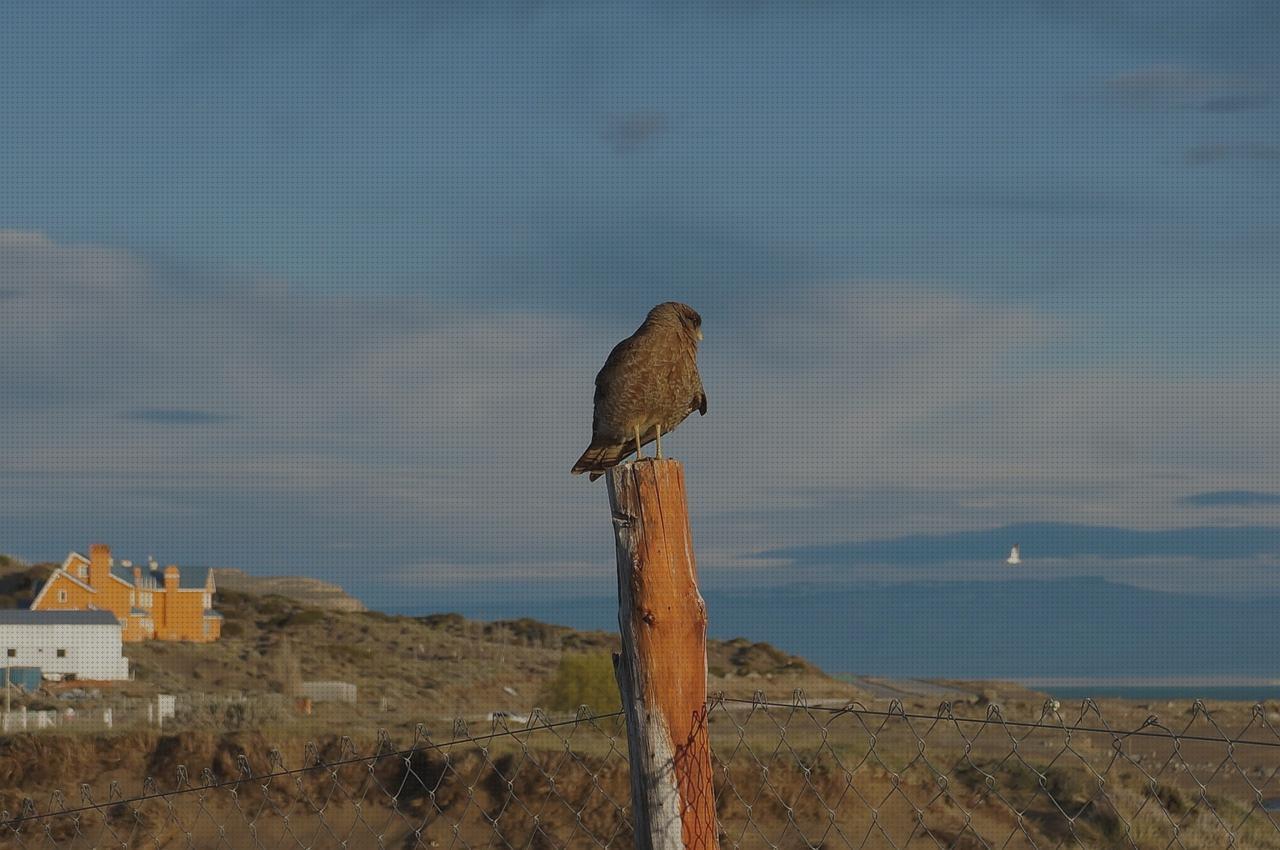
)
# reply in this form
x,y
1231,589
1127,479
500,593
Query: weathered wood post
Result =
x,y
662,669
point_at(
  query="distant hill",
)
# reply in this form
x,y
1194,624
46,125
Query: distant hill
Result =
x,y
309,591
433,666
725,658
20,582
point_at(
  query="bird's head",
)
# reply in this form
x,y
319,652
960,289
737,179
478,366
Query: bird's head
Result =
x,y
683,314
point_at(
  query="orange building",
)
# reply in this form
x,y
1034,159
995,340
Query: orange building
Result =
x,y
151,604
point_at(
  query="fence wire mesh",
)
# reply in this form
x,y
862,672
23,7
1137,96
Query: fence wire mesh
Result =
x,y
788,775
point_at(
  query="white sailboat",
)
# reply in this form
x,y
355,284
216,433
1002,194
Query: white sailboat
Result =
x,y
1015,556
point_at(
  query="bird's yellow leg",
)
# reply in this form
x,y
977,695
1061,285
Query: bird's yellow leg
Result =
x,y
639,454
657,434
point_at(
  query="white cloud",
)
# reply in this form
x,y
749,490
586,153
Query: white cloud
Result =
x,y
420,432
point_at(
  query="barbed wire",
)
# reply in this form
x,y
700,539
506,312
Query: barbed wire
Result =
x,y
787,776
995,715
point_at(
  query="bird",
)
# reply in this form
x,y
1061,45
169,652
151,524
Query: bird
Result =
x,y
1015,556
648,385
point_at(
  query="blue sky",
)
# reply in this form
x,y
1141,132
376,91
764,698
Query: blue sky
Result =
x,y
322,288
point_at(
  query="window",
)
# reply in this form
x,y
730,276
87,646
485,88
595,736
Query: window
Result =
x,y
83,571
133,601
208,600
62,653
12,653
62,596
146,600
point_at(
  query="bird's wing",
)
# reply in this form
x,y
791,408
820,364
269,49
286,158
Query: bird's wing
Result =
x,y
629,353
616,379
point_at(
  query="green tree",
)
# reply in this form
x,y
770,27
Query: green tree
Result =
x,y
584,679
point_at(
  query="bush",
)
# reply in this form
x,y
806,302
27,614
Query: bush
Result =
x,y
347,652
233,714
306,617
584,679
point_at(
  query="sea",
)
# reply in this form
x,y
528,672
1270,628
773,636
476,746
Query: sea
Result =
x,y
1075,638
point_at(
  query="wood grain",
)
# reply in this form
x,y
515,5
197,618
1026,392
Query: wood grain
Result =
x,y
662,669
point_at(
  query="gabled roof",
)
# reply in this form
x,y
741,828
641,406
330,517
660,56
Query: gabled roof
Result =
x,y
72,558
124,574
27,617
71,577
117,572
53,577
190,578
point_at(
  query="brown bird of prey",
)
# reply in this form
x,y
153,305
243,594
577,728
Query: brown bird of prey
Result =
x,y
647,387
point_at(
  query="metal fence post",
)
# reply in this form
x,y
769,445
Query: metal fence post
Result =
x,y
662,669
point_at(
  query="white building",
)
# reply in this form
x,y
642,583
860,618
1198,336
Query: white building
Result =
x,y
84,643
328,691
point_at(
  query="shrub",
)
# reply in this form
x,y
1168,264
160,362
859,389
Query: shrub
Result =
x,y
306,616
584,679
347,652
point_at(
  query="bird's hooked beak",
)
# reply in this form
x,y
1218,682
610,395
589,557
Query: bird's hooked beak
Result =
x,y
698,333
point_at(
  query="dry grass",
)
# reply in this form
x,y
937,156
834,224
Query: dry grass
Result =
x,y
568,787
409,670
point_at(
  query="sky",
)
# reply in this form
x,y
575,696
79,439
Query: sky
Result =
x,y
322,288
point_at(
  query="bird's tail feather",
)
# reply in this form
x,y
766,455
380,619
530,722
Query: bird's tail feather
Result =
x,y
600,456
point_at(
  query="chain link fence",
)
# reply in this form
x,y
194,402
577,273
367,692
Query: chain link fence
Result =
x,y
788,775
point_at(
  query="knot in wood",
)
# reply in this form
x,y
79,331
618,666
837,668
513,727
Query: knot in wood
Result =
x,y
623,520
648,617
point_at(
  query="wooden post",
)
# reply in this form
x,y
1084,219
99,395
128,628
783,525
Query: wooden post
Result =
x,y
662,669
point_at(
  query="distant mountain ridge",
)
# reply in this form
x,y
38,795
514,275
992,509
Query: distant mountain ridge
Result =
x,y
1041,540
